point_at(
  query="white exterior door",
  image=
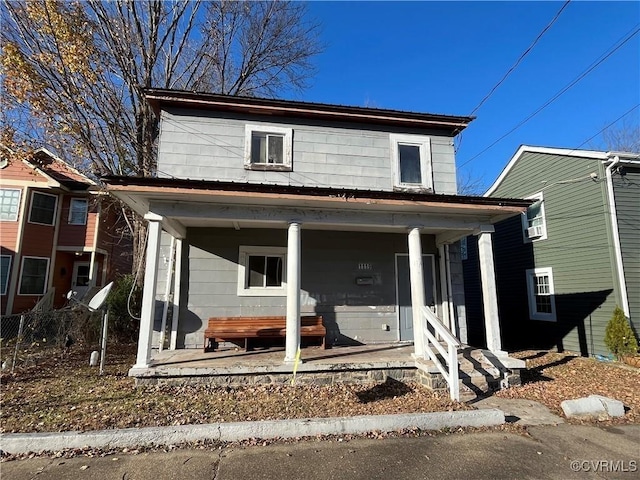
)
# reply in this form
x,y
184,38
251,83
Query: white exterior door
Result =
x,y
80,281
403,292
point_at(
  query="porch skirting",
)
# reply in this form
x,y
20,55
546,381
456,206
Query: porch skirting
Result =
x,y
363,376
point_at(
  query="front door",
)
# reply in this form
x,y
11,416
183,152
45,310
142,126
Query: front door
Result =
x,y
403,292
80,279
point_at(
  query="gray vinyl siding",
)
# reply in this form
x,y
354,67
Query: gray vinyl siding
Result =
x,y
577,249
204,145
627,197
330,263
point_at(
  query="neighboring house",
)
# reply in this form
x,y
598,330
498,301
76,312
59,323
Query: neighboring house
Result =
x,y
291,208
564,265
56,232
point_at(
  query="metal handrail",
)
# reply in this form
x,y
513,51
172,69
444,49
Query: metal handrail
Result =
x,y
450,374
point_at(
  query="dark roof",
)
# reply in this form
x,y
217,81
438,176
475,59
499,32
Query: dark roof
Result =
x,y
310,191
59,171
162,98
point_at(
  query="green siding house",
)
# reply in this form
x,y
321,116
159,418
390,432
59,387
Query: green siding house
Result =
x,y
562,267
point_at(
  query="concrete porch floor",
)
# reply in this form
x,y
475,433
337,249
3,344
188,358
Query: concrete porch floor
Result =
x,y
270,361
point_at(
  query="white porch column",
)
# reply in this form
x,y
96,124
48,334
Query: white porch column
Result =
x,y
417,289
489,295
293,292
177,281
149,291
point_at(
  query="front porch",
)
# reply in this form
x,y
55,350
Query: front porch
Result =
x,y
374,363
377,266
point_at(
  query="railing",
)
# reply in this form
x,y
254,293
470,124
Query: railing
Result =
x,y
449,367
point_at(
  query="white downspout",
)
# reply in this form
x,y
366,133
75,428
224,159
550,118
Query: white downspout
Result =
x,y
616,235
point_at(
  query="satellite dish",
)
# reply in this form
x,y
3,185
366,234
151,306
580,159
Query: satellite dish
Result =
x,y
99,298
71,294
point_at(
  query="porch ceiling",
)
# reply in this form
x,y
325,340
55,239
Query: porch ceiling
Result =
x,y
213,204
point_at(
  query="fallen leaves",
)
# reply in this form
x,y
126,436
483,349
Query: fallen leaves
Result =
x,y
554,377
66,394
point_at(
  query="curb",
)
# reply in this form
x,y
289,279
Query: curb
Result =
x,y
236,431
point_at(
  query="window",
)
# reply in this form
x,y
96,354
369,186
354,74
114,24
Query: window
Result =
x,y
261,271
78,211
268,148
43,208
542,305
9,204
411,160
5,268
534,224
33,280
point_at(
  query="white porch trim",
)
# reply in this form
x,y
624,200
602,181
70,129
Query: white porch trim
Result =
x,y
489,294
292,342
147,315
417,289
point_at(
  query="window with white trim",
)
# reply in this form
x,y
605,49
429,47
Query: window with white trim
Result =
x,y
540,291
78,209
262,271
33,277
9,204
534,223
411,161
43,208
5,268
268,148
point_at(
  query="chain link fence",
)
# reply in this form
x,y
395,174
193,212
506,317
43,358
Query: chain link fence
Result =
x,y
25,338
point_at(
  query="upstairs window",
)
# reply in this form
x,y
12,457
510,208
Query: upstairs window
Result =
x,y
533,221
9,204
78,209
268,148
542,305
43,208
411,160
261,271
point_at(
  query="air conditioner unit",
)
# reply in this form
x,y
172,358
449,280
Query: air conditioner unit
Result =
x,y
536,231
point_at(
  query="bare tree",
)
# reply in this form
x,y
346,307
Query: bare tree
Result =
x,y
74,73
624,138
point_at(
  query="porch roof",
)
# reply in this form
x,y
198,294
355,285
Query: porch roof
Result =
x,y
196,203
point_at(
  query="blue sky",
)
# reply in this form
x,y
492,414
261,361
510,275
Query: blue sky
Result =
x,y
444,57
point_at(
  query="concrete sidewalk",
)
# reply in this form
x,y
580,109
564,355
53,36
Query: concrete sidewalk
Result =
x,y
550,452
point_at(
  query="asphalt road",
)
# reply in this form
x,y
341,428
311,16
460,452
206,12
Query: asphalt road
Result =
x,y
550,452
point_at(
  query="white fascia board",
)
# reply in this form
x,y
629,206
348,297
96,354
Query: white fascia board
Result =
x,y
566,152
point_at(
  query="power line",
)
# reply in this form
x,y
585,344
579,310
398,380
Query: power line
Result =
x,y
524,54
615,121
513,67
558,94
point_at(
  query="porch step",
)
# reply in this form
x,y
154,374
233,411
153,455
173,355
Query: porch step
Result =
x,y
478,374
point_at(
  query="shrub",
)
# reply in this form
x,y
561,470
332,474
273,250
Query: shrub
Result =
x,y
619,337
123,327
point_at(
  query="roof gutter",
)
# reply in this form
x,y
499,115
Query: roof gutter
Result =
x,y
613,214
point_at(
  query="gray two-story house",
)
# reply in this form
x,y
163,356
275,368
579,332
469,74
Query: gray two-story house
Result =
x,y
565,264
293,208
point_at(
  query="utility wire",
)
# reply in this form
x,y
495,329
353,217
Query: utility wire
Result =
x,y
513,67
558,94
524,54
615,121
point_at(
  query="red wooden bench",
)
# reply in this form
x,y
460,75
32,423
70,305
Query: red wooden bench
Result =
x,y
243,328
